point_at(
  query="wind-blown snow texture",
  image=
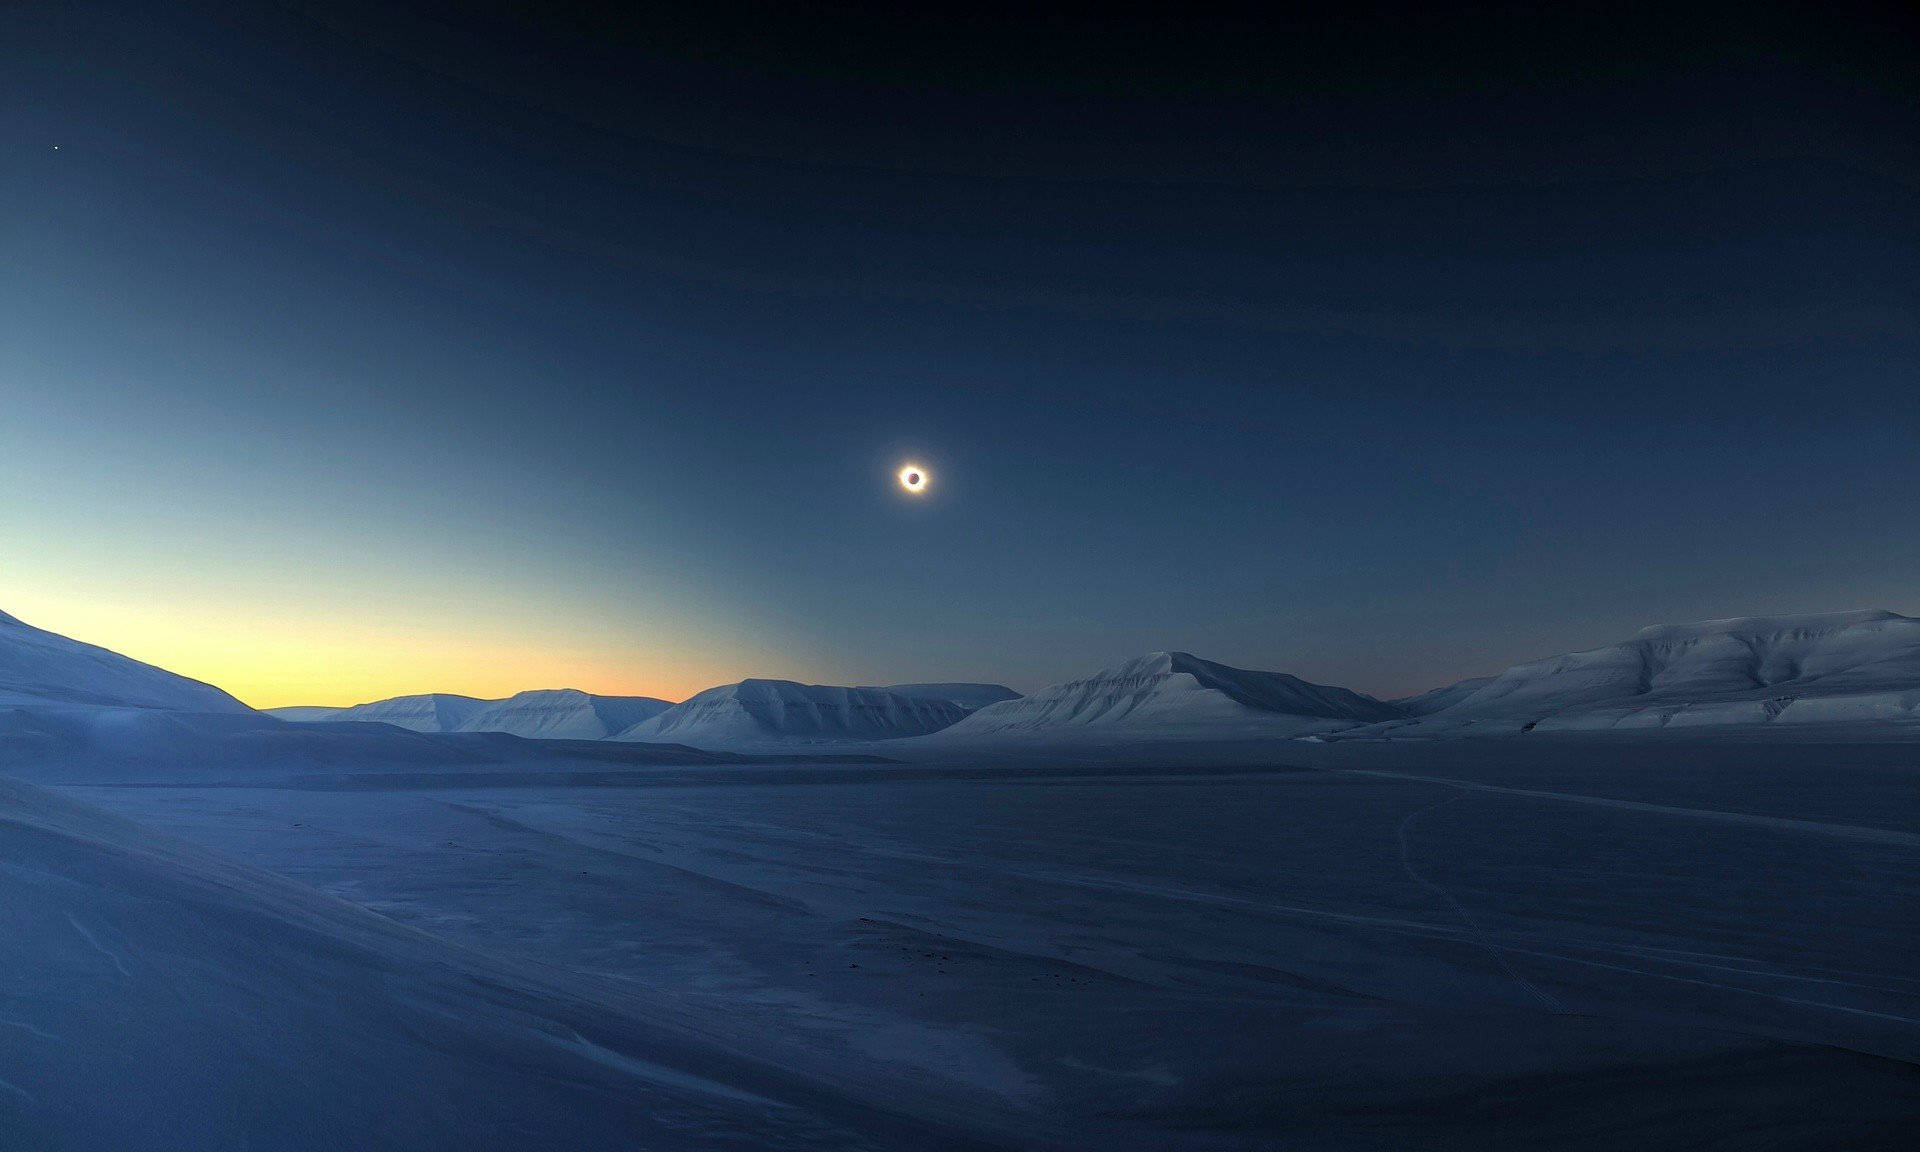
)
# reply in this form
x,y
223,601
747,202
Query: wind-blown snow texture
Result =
x,y
767,712
162,998
1175,691
40,667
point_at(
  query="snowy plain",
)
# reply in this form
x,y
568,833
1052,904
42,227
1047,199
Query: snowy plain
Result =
x,y
1623,943
1173,905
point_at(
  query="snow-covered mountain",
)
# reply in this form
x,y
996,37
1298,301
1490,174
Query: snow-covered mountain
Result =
x,y
968,696
429,712
302,713
1752,670
772,712
548,713
1178,694
40,667
564,714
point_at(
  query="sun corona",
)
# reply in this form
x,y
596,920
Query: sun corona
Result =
x,y
913,478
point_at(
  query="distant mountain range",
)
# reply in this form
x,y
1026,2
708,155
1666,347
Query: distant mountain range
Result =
x,y
751,712
1830,668
548,713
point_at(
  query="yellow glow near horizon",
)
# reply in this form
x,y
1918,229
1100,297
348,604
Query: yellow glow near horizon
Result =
x,y
268,660
914,478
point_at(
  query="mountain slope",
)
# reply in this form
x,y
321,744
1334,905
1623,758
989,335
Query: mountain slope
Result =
x,y
1747,670
766,712
41,667
1439,699
1177,691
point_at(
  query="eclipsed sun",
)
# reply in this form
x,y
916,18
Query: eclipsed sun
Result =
x,y
913,478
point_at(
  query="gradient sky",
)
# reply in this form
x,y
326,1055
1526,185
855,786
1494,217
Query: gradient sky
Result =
x,y
345,353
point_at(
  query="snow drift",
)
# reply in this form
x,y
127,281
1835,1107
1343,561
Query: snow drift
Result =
x,y
765,712
1180,694
40,667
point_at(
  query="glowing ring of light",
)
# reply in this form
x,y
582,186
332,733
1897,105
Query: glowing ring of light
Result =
x,y
914,478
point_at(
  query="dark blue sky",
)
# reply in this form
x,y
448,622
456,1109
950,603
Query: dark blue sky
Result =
x,y
1384,350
